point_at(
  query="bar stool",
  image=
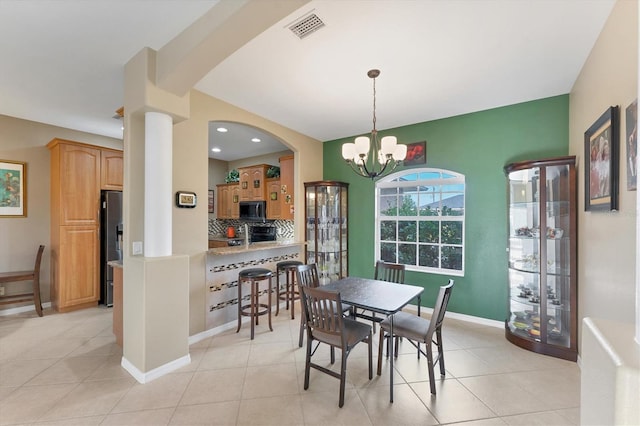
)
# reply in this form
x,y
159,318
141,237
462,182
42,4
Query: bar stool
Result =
x,y
254,308
288,268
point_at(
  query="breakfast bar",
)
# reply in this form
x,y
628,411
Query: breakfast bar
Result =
x,y
225,263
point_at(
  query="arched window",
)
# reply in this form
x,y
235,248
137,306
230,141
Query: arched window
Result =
x,y
420,220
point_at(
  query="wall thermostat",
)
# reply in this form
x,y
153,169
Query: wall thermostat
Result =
x,y
186,199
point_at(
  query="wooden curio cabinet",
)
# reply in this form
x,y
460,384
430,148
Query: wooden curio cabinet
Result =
x,y
542,244
326,228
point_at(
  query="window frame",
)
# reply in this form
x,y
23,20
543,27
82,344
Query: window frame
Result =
x,y
388,182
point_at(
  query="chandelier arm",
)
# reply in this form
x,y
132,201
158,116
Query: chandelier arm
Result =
x,y
357,170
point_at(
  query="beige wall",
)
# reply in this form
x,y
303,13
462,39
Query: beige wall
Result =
x,y
25,141
607,243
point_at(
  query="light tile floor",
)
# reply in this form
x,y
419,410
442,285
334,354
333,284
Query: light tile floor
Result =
x,y
64,369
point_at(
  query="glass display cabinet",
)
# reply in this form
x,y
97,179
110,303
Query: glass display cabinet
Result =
x,y
326,235
542,256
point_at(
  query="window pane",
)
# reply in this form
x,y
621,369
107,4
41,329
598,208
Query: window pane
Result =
x,y
408,207
406,230
451,232
429,256
429,231
452,257
407,254
453,204
389,205
388,252
429,175
388,230
388,191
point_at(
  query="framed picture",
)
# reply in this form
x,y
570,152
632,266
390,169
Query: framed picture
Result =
x,y
631,142
416,153
273,196
13,189
186,199
210,199
601,163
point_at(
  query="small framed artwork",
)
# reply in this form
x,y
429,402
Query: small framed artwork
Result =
x,y
631,141
416,153
601,163
235,198
273,196
210,201
244,184
13,189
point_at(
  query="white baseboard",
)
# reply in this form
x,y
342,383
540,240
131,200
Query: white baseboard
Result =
x,y
462,317
143,377
21,309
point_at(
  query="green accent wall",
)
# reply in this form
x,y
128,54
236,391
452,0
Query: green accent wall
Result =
x,y
477,145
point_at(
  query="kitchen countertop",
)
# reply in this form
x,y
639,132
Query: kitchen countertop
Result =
x,y
253,247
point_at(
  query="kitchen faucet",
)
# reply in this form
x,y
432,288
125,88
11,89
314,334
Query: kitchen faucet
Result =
x,y
246,235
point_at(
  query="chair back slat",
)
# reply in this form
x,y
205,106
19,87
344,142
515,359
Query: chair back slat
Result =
x,y
392,272
440,307
308,275
36,268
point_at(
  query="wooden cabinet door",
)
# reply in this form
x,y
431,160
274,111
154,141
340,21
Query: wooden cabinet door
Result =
x,y
246,191
234,201
111,170
273,199
78,267
257,183
286,188
223,202
79,185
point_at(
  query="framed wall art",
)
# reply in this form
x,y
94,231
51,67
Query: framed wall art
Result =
x,y
416,153
631,142
210,201
601,163
13,189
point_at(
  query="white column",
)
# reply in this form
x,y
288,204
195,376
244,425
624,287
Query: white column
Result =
x,y
158,164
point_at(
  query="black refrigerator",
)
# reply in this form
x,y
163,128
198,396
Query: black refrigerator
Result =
x,y
110,241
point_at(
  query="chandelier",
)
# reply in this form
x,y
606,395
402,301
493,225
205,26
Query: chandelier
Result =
x,y
386,154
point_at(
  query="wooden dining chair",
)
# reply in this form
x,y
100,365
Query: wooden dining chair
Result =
x,y
325,323
420,330
385,271
18,276
307,276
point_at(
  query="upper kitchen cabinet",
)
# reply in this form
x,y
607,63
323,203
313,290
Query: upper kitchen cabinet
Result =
x,y
111,169
273,198
76,179
252,183
285,195
228,201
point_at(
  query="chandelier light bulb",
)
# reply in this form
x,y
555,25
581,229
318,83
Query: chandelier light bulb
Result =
x,y
400,153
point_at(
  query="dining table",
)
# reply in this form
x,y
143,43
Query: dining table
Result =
x,y
382,297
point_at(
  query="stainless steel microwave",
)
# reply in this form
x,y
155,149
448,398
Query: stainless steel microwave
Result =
x,y
255,211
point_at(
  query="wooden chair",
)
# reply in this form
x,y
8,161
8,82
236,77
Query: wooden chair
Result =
x,y
307,276
391,272
18,276
420,330
326,324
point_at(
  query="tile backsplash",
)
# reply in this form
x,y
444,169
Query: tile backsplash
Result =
x,y
219,227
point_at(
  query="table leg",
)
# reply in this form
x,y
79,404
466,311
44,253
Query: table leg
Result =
x,y
391,355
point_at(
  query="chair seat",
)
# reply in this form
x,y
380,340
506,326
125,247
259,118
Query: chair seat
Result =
x,y
407,325
354,332
288,264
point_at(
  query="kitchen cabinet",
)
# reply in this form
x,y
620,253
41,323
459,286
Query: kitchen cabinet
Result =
x,y
76,179
273,198
286,192
542,265
252,182
228,201
326,228
111,169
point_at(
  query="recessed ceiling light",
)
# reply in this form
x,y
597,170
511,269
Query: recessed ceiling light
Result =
x,y
216,149
256,140
222,129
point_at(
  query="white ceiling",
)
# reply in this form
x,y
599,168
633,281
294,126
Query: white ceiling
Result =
x,y
62,60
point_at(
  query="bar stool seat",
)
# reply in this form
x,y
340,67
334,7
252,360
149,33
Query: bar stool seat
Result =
x,y
254,308
289,268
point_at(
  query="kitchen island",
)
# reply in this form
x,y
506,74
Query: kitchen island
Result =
x,y
223,266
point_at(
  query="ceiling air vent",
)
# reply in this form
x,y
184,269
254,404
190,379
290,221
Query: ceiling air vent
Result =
x,y
307,25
